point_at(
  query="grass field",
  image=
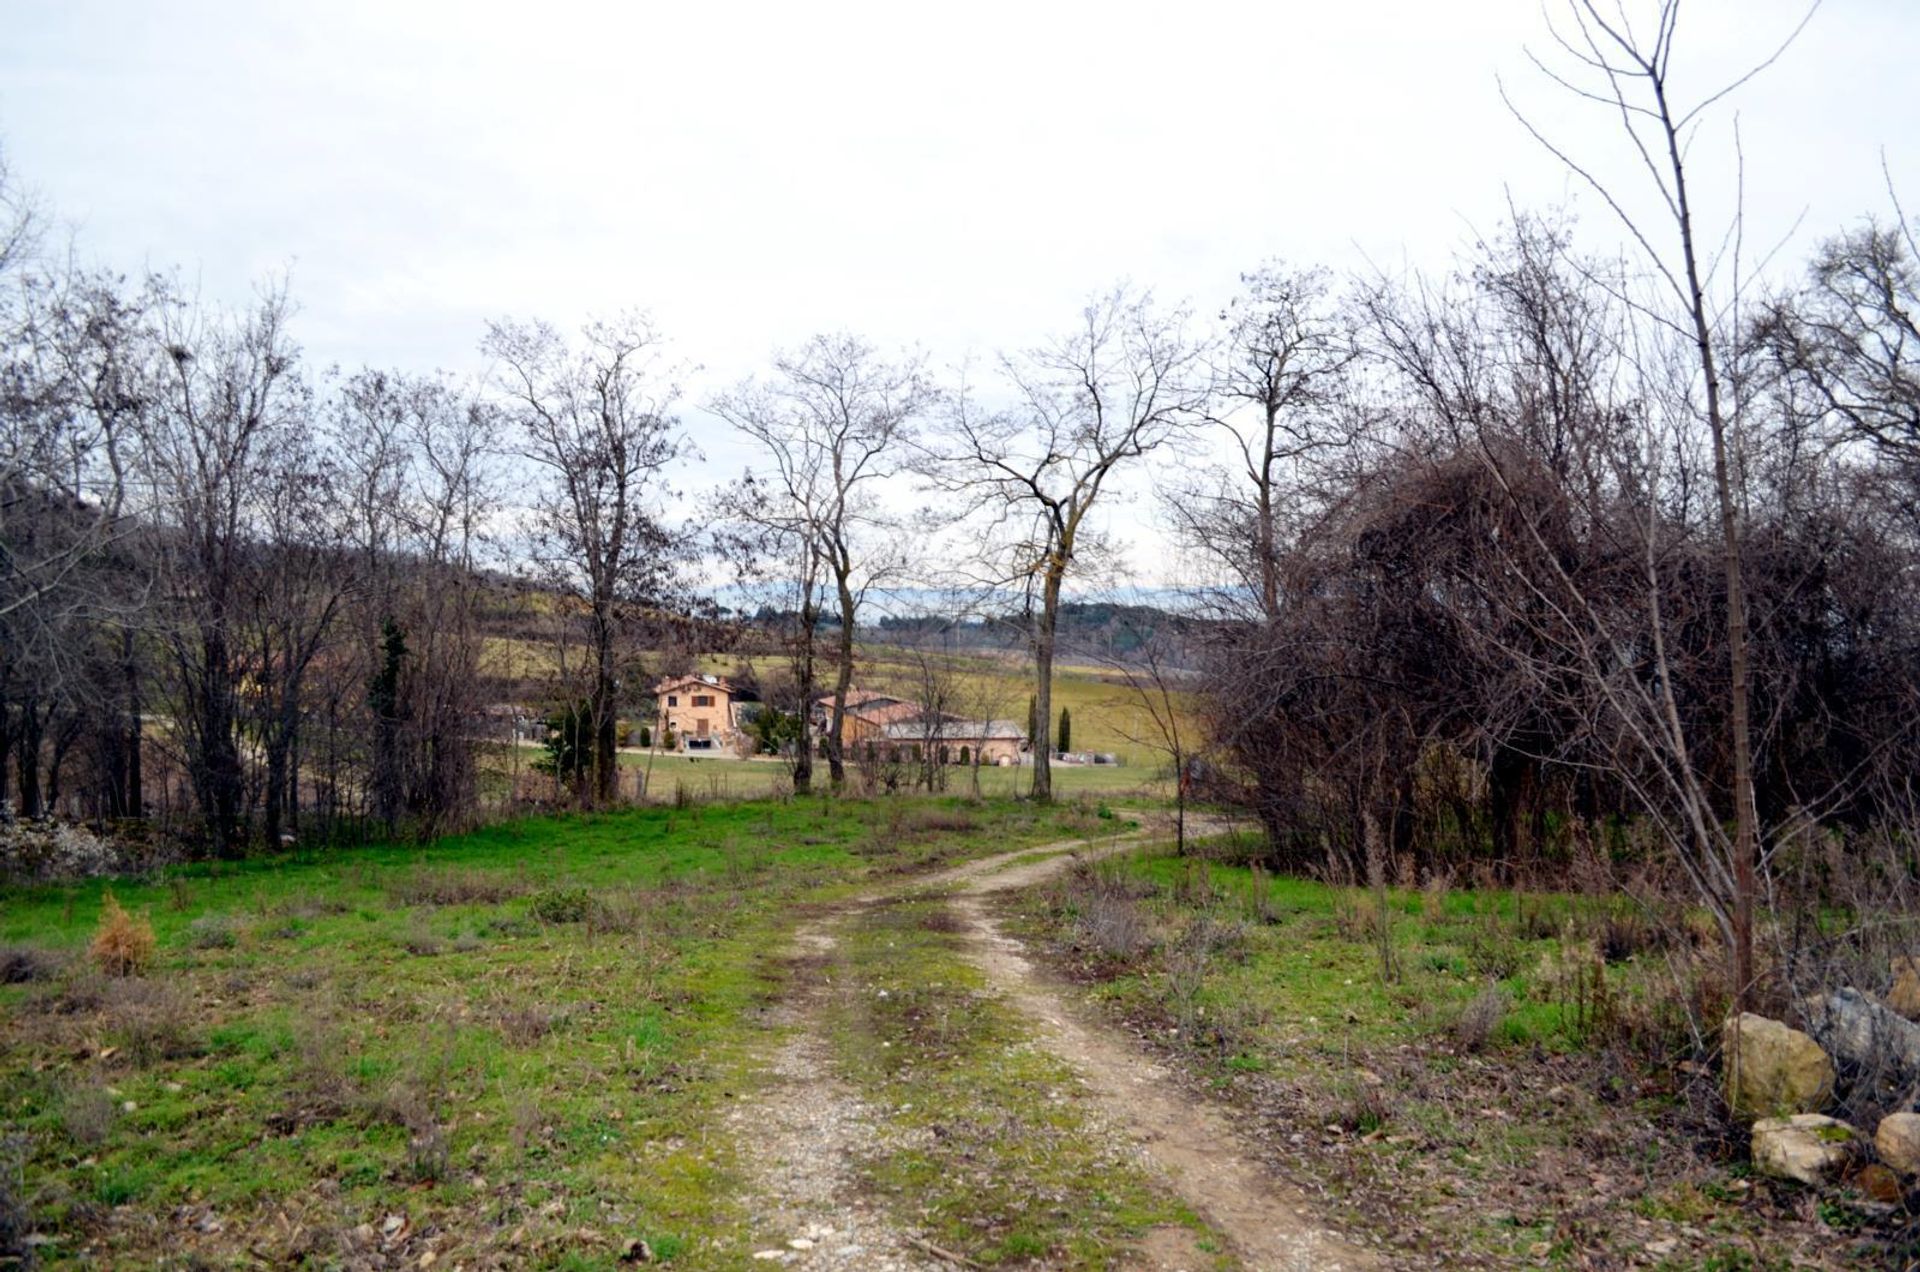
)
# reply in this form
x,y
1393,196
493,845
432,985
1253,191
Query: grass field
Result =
x,y
752,779
512,1048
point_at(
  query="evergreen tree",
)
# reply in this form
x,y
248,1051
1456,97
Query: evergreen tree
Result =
x,y
1065,742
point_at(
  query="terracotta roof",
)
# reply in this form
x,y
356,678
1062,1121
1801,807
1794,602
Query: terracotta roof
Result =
x,y
703,682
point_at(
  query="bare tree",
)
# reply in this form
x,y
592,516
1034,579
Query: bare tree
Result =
x,y
1277,384
597,421
231,396
1628,70
831,425
1083,407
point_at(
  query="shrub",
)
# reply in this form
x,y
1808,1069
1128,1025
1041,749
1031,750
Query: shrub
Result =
x,y
123,944
20,964
523,1024
211,932
455,887
419,939
560,905
86,1115
1481,1018
152,1022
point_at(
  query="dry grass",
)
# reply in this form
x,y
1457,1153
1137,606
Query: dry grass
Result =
x,y
123,944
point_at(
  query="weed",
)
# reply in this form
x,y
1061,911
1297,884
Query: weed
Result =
x,y
16,1218
123,944
1433,895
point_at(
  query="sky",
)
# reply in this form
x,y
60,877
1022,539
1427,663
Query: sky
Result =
x,y
958,178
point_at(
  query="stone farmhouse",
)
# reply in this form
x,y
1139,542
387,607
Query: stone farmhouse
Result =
x,y
699,713
884,726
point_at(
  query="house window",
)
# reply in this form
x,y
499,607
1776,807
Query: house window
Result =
x,y
673,700
702,699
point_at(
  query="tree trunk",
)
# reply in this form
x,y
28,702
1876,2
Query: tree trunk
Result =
x,y
601,709
843,680
133,793
1744,830
1043,646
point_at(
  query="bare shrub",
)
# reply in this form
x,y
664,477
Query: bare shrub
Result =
x,y
212,932
418,939
23,964
1260,903
325,1090
524,1024
1433,895
1114,925
123,944
1186,965
85,1113
619,912
16,1216
1481,1017
455,887
152,1022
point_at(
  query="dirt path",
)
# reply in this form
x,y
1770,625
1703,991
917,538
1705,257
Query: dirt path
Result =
x,y
1213,1170
806,1130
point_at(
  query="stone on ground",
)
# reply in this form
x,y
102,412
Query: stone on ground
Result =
x,y
1774,1070
1809,1147
1897,1141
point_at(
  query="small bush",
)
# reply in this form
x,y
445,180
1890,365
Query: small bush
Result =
x,y
561,905
419,940
455,887
123,944
212,932
524,1024
1492,955
21,964
152,1022
1114,925
86,1115
16,1217
1481,1018
1433,896
617,913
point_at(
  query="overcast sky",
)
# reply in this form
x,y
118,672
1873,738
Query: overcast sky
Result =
x,y
958,177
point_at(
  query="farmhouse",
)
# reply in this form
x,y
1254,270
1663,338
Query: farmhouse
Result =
x,y
698,713
991,742
868,714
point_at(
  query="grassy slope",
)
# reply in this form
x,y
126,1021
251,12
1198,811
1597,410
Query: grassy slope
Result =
x,y
513,1047
1539,1146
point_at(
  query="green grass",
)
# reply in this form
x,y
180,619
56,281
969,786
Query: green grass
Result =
x,y
716,779
1273,990
515,1045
